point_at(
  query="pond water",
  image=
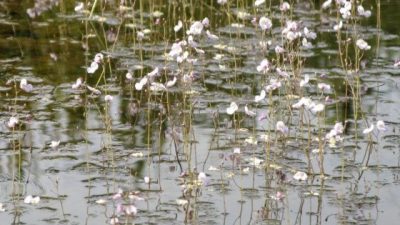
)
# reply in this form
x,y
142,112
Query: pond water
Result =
x,y
128,118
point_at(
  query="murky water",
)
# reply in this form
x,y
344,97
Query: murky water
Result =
x,y
107,148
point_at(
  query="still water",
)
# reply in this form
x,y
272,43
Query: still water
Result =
x,y
141,149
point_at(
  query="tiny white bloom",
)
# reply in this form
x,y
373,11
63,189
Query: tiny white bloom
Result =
x,y
281,127
171,83
12,122
211,36
178,27
300,176
363,45
77,84
263,67
31,200
338,26
369,129
196,28
285,6
249,112
258,2
265,23
317,108
380,125
101,201
54,144
260,97
305,81
108,98
324,87
232,108
79,7
326,4
153,73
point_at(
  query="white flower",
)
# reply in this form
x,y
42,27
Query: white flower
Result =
x,y
141,83
153,73
279,50
284,6
101,201
129,76
258,2
380,125
302,102
93,67
25,86
282,73
265,23
260,97
324,87
396,64
94,90
2,209
281,127
346,10
318,108
98,58
249,112
79,7
140,35
178,27
206,22
31,200
326,4
54,144
263,66
211,36
114,221
12,122
77,84
363,45
196,28
369,129
300,176
108,98
155,86
202,177
338,26
305,43
362,12
171,83
130,210
309,34
232,108
274,84
176,50
305,81
222,2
